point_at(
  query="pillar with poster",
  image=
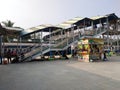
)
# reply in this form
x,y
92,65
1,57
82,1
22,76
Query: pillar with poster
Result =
x,y
90,49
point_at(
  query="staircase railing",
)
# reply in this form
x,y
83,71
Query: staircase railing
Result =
x,y
65,43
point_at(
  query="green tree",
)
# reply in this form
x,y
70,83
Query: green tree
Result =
x,y
6,33
8,23
3,32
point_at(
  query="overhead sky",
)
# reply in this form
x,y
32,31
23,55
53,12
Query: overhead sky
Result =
x,y
30,13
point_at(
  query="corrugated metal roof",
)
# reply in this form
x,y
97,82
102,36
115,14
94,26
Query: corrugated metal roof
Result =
x,y
67,24
97,17
62,25
14,28
105,16
44,27
40,27
70,22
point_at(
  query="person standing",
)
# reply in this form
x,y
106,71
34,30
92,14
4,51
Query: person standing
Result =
x,y
105,57
9,56
0,59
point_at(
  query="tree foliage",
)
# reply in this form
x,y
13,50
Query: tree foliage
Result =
x,y
8,23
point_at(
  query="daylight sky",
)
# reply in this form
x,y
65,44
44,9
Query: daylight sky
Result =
x,y
30,13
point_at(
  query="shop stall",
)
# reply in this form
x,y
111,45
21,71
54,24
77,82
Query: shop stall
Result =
x,y
90,49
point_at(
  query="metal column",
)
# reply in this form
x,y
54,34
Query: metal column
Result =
x,y
72,30
108,41
92,27
1,55
100,26
117,42
61,34
50,42
20,44
117,36
84,27
34,39
40,41
79,32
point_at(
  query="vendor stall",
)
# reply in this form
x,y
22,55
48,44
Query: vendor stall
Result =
x,y
90,49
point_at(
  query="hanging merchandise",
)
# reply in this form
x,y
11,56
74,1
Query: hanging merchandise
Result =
x,y
90,49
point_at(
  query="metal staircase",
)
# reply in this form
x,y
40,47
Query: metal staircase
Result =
x,y
64,44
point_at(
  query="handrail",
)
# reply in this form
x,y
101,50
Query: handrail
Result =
x,y
65,42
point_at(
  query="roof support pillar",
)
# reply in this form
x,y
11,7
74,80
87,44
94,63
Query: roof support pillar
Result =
x,y
61,34
50,42
41,41
1,49
92,24
108,41
79,33
100,25
84,27
117,42
34,37
72,30
67,38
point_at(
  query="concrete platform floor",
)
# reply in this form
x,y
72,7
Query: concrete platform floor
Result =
x,y
61,75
